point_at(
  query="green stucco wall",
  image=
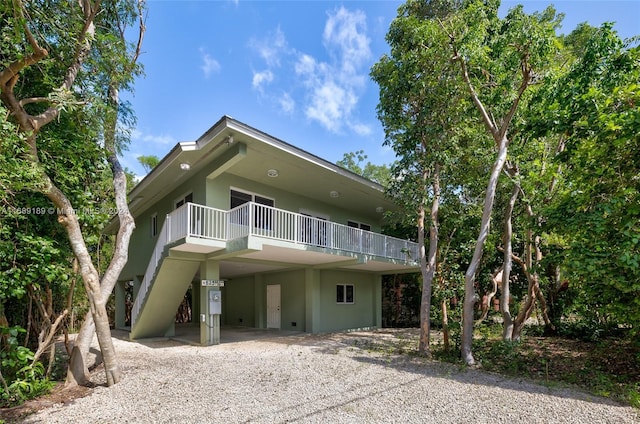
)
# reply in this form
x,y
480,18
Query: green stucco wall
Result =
x,y
298,289
238,302
362,313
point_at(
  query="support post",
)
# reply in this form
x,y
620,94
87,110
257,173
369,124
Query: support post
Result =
x,y
209,322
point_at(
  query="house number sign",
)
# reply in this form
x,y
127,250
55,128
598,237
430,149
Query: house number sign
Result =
x,y
212,283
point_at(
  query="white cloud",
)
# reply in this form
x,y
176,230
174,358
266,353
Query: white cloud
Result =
x,y
271,48
330,103
345,35
163,139
305,65
287,104
331,88
360,128
209,64
334,87
260,78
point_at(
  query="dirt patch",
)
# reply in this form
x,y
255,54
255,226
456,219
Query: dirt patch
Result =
x,y
59,395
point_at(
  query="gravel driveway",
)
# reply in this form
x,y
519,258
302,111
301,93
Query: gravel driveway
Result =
x,y
317,379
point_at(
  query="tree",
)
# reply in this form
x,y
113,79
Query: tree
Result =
x,y
70,75
415,116
378,173
498,60
148,162
451,48
596,214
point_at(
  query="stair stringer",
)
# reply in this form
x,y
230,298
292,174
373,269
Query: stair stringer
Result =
x,y
172,279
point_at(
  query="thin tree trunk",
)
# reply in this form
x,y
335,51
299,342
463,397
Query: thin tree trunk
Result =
x,y
496,280
507,320
428,265
440,263
499,134
445,323
533,280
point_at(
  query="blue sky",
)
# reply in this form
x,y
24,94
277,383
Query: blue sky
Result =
x,y
297,70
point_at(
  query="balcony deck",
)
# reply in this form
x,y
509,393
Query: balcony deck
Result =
x,y
252,226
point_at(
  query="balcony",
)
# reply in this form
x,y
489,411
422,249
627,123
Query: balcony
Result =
x,y
276,226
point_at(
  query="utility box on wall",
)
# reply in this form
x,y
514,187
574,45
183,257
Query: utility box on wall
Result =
x,y
215,302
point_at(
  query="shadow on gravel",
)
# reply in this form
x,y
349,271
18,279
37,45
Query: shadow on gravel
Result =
x,y
383,347
395,348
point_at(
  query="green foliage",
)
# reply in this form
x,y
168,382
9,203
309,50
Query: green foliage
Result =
x,y
594,107
23,379
148,162
378,173
35,254
608,367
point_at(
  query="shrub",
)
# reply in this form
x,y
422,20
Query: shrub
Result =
x,y
21,379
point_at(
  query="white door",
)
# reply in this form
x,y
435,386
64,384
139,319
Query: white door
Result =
x,y
273,306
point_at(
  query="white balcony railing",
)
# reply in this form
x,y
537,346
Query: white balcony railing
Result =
x,y
265,221
198,221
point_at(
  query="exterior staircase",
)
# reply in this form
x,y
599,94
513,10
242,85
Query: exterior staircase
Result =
x,y
165,282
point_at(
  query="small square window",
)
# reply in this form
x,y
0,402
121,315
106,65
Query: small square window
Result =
x,y
344,293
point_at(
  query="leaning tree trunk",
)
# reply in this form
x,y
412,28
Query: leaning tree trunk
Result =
x,y
470,275
496,280
428,265
90,278
78,365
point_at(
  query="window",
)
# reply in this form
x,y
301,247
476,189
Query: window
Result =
x,y
154,225
240,198
314,228
354,224
262,217
344,293
186,199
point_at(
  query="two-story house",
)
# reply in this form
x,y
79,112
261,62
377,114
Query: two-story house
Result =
x,y
263,234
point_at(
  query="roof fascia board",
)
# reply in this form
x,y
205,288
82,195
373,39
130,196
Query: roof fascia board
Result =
x,y
173,155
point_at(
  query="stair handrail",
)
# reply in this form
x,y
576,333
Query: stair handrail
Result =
x,y
163,239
